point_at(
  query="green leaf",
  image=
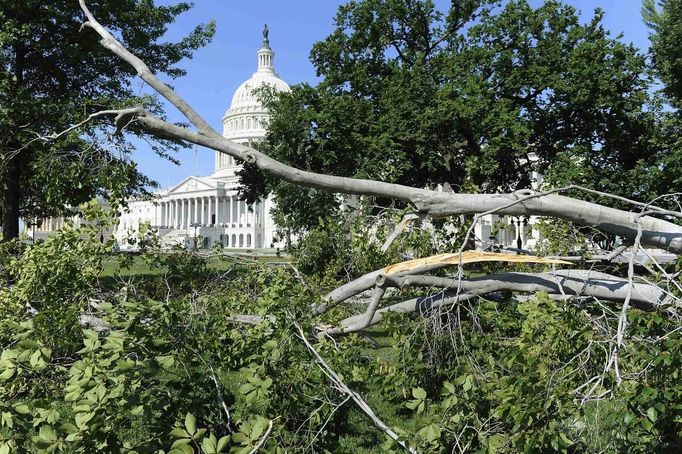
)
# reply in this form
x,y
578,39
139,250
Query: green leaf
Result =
x,y
181,441
647,424
208,445
22,409
222,443
182,449
166,361
246,388
6,418
35,357
651,413
430,433
419,393
190,423
69,428
82,419
7,374
240,438
179,432
47,434
495,442
90,334
413,404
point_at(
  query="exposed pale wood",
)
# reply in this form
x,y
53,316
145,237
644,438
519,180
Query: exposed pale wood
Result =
x,y
428,263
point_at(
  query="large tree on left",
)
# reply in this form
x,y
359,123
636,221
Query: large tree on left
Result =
x,y
52,74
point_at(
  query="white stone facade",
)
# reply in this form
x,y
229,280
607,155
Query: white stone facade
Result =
x,y
207,209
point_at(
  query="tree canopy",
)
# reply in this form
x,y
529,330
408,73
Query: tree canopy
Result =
x,y
54,74
469,97
664,18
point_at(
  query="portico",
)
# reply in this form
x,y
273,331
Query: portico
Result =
x,y
205,210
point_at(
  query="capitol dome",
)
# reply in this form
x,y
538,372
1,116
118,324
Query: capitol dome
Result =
x,y
246,118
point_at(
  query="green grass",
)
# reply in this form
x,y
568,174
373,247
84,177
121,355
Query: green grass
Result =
x,y
141,268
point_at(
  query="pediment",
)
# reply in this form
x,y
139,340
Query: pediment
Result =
x,y
191,184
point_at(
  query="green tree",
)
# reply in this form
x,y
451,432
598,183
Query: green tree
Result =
x,y
54,74
420,97
664,18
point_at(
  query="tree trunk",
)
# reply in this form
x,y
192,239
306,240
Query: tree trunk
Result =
x,y
11,197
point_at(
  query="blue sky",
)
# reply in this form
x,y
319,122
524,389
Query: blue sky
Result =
x,y
217,69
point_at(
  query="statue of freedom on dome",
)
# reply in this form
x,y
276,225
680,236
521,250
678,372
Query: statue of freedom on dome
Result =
x,y
266,36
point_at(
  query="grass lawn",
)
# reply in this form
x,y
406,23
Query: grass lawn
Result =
x,y
215,263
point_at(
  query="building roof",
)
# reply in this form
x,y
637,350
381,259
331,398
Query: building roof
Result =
x,y
245,98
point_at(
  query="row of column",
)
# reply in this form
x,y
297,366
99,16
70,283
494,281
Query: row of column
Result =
x,y
205,211
56,223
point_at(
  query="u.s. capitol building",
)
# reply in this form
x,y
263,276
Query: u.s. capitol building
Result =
x,y
208,208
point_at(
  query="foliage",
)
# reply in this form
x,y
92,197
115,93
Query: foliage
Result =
x,y
53,75
126,365
664,18
468,96
344,248
189,359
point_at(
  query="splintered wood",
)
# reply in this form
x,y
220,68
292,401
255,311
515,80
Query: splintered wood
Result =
x,y
441,260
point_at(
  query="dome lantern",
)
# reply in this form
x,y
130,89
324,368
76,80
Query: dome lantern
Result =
x,y
266,57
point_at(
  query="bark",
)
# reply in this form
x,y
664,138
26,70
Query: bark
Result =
x,y
11,198
11,175
570,282
562,283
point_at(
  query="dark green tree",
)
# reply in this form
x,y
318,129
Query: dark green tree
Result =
x,y
664,18
53,74
470,96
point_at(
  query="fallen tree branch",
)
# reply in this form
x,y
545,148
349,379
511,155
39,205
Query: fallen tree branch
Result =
x,y
329,372
424,265
567,283
573,282
421,305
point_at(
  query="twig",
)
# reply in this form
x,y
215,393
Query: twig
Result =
x,y
329,372
263,439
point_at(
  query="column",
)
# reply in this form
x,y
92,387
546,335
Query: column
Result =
x,y
210,210
187,223
177,213
202,218
235,208
217,210
189,211
197,214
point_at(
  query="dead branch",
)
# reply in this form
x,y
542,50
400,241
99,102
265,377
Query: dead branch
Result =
x,y
329,372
